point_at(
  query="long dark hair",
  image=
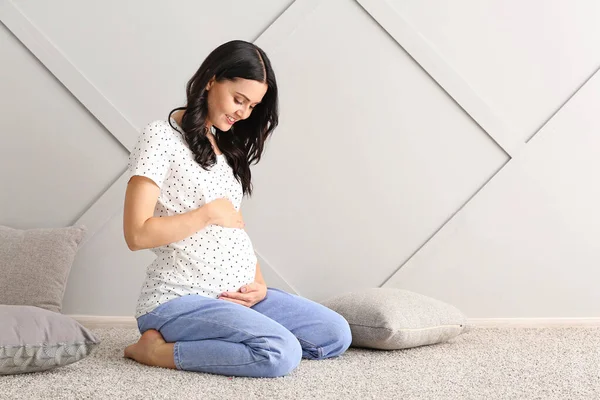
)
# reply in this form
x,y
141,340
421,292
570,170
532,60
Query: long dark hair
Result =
x,y
243,144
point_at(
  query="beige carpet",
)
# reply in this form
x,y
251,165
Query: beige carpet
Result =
x,y
556,363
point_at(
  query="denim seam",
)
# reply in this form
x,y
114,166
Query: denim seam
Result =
x,y
179,364
176,346
228,326
236,365
176,356
216,323
319,348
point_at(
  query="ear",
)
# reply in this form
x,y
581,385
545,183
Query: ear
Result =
x,y
210,83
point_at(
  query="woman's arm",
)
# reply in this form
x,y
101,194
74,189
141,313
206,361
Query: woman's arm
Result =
x,y
144,231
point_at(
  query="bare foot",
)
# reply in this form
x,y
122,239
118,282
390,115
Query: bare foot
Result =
x,y
144,350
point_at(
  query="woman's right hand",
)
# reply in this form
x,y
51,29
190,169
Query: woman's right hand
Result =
x,y
222,212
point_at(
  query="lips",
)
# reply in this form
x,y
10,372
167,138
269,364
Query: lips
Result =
x,y
230,120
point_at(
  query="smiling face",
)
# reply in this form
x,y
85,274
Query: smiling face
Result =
x,y
231,101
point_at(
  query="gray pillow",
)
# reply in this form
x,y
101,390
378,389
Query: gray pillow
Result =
x,y
33,339
389,319
35,264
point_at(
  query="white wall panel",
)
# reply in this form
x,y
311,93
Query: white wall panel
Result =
x,y
527,245
386,155
56,158
524,58
371,157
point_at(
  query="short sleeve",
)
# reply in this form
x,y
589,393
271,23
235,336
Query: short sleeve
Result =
x,y
151,156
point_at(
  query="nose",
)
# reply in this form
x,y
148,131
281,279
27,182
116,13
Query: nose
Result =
x,y
243,113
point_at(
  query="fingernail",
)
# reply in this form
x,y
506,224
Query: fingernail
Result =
x,y
223,295
243,290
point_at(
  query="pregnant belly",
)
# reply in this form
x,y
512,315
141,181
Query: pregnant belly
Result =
x,y
223,246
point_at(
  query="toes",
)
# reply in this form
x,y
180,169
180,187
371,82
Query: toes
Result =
x,y
128,352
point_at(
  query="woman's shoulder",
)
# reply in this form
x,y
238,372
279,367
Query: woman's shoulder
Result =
x,y
159,130
159,126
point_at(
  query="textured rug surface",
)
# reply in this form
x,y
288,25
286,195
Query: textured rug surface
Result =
x,y
506,363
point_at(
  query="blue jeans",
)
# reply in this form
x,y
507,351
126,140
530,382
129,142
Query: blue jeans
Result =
x,y
266,340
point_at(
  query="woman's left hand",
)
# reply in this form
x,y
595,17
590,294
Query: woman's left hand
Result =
x,y
248,295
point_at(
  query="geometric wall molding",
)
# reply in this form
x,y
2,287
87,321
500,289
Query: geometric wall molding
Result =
x,y
73,80
564,103
449,80
111,201
309,28
407,36
527,244
87,94
518,156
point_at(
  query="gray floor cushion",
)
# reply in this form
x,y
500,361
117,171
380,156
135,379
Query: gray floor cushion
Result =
x,y
35,264
34,339
389,319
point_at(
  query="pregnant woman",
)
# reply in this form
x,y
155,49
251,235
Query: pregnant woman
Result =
x,y
204,305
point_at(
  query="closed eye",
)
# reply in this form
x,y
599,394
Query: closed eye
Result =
x,y
238,101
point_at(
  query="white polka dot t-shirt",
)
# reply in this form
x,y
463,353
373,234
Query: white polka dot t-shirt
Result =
x,y
211,261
